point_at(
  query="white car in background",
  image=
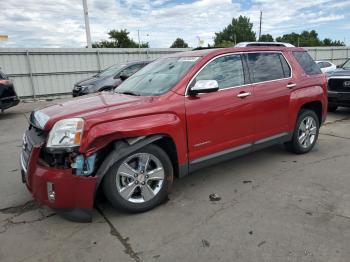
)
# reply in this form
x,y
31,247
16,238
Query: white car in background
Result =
x,y
326,66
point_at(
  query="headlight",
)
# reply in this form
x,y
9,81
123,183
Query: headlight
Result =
x,y
88,89
66,133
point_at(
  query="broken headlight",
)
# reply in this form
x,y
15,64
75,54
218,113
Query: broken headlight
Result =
x,y
66,133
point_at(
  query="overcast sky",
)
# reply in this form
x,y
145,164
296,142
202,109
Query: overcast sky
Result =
x,y
60,23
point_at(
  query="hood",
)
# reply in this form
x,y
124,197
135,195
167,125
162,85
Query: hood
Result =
x,y
87,106
89,81
340,72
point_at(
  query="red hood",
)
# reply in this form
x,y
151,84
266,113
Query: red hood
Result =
x,y
87,106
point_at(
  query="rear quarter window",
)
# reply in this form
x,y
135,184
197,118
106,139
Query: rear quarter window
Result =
x,y
267,67
307,63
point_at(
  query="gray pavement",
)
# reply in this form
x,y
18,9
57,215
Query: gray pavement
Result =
x,y
275,206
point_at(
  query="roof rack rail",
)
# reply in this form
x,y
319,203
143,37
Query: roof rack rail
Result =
x,y
246,44
203,48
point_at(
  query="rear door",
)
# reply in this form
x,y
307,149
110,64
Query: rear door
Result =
x,y
272,80
223,119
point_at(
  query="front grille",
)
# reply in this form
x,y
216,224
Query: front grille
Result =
x,y
339,85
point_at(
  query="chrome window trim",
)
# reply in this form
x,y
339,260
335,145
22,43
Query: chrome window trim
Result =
x,y
241,53
339,77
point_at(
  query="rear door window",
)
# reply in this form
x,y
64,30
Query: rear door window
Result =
x,y
267,66
226,70
307,63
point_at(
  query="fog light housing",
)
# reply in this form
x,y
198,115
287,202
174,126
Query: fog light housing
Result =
x,y
51,195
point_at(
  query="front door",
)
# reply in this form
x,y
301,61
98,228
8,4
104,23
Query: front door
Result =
x,y
221,120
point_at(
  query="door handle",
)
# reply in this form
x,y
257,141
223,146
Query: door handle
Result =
x,y
244,94
291,85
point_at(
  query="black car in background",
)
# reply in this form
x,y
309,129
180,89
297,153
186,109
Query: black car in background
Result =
x,y
108,79
8,95
339,87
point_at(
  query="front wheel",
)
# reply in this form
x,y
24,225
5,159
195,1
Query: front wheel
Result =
x,y
305,133
140,181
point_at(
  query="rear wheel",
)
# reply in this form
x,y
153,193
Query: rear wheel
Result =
x,y
140,181
305,133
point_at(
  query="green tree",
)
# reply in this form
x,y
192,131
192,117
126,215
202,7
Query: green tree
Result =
x,y
266,38
179,43
240,30
308,38
119,39
292,38
330,42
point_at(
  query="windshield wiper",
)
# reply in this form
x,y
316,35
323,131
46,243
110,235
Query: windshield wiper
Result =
x,y
129,93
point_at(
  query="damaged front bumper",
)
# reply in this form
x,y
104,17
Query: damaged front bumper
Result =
x,y
62,189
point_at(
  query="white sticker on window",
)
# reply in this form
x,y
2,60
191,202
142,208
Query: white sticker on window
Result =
x,y
189,59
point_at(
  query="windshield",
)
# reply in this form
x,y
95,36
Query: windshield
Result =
x,y
347,64
111,71
158,77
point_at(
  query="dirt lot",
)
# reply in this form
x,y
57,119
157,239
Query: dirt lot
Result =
x,y
274,206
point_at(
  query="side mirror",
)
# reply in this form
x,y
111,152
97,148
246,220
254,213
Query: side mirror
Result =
x,y
204,86
123,77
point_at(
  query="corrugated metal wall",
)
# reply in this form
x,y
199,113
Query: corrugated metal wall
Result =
x,y
47,72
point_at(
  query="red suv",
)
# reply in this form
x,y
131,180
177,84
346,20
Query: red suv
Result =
x,y
176,115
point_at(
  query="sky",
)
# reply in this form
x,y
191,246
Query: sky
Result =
x,y
60,23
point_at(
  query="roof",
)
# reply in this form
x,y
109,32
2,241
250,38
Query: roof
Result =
x,y
219,51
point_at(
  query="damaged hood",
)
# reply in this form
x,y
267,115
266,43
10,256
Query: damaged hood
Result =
x,y
85,107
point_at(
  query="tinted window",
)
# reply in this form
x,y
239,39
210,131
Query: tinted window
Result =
x,y
286,68
267,66
307,63
226,70
323,64
129,71
111,71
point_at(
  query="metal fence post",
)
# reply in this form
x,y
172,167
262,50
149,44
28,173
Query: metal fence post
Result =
x,y
316,53
332,55
30,74
98,60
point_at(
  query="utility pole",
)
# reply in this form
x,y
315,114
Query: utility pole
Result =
x,y
87,24
260,25
138,36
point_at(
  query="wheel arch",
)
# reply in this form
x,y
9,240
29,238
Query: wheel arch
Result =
x,y
315,106
123,147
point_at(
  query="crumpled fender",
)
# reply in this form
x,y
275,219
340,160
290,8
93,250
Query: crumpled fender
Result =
x,y
102,134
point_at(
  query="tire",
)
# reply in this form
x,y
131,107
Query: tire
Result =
x,y
332,108
145,190
298,145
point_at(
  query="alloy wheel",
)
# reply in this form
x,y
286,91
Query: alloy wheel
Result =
x,y
140,177
307,132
